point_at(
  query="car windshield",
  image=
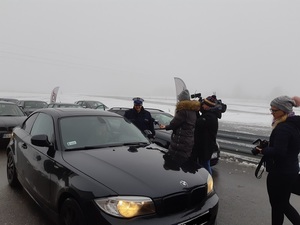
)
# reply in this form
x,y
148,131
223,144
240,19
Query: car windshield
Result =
x,y
35,104
162,118
87,132
10,110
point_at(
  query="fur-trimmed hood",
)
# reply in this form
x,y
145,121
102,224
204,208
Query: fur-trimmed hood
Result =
x,y
192,105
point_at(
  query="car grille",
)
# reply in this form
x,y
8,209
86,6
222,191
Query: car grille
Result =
x,y
181,201
6,129
3,129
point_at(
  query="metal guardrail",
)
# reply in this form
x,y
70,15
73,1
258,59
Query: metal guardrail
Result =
x,y
237,143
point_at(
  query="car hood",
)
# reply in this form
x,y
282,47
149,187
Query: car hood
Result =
x,y
11,121
134,171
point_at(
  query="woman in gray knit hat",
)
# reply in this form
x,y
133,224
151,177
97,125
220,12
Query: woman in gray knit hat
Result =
x,y
281,157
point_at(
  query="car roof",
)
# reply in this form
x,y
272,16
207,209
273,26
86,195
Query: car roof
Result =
x,y
65,112
88,101
62,103
6,102
126,108
28,100
14,100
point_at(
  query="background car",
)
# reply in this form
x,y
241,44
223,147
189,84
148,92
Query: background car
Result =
x,y
63,105
87,166
30,106
10,116
14,100
92,104
163,137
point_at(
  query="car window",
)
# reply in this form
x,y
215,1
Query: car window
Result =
x,y
34,104
162,118
43,125
27,125
83,131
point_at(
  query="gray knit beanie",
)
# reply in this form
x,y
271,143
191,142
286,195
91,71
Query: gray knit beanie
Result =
x,y
284,103
184,95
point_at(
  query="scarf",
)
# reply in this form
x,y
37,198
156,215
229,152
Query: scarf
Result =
x,y
281,119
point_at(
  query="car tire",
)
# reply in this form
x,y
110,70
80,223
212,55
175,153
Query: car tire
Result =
x,y
71,213
11,171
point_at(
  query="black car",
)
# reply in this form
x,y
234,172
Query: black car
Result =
x,y
91,104
30,106
63,105
10,116
85,166
163,137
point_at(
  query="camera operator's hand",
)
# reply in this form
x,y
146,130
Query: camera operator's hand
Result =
x,y
258,149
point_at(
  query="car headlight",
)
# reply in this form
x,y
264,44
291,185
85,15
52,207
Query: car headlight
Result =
x,y
210,184
126,206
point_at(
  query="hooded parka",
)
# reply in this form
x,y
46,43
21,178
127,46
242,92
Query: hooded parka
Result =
x,y
183,125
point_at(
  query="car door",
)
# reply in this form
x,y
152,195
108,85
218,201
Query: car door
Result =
x,y
36,175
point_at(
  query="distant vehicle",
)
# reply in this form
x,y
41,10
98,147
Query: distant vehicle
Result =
x,y
163,137
92,167
10,116
30,106
92,104
14,100
63,105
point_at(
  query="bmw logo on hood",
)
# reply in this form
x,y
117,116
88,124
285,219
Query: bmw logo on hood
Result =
x,y
184,183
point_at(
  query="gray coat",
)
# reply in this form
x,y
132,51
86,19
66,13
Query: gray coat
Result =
x,y
183,125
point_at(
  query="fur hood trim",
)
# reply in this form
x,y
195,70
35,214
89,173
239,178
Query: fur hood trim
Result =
x,y
192,105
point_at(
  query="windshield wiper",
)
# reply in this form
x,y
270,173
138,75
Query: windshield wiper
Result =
x,y
139,144
86,147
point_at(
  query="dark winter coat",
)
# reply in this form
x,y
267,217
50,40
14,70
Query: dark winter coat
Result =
x,y
143,119
183,124
284,145
205,135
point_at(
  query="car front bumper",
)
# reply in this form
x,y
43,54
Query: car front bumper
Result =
x,y
203,214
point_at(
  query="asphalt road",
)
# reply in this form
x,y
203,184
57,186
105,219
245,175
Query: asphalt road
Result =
x,y
243,198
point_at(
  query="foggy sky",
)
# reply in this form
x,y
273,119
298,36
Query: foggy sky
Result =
x,y
241,48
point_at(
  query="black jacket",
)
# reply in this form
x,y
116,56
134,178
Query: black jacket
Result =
x,y
183,124
143,120
205,135
282,153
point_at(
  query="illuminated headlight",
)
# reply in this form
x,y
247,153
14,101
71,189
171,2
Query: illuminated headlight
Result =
x,y
126,206
210,184
9,135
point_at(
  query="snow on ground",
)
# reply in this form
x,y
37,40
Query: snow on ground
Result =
x,y
239,111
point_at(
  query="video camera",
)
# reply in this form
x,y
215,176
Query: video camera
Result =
x,y
261,144
197,95
221,106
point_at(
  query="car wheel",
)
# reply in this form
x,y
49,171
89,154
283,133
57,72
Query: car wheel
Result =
x,y
11,171
71,213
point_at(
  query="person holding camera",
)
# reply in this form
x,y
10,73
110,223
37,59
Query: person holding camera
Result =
x,y
281,158
206,129
140,117
183,125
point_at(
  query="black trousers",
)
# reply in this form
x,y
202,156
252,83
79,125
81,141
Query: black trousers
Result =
x,y
279,188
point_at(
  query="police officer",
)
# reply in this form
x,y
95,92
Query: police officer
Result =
x,y
140,117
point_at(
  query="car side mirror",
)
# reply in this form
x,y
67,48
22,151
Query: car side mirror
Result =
x,y
156,122
41,140
148,133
